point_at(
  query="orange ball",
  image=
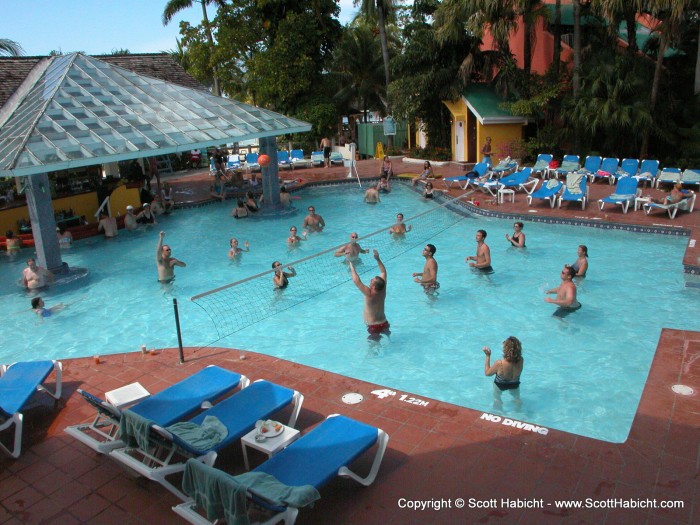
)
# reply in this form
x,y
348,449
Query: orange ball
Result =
x,y
264,160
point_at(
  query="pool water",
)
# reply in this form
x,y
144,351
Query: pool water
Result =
x,y
583,374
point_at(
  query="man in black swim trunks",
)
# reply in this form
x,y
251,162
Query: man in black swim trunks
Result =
x,y
482,259
566,293
326,147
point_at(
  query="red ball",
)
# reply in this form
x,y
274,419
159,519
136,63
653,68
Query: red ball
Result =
x,y
264,160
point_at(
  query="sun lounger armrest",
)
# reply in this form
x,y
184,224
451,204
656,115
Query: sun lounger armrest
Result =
x,y
382,441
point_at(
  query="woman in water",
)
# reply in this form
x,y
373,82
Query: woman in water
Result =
x,y
240,211
518,238
280,279
581,264
12,243
235,250
506,370
428,191
251,203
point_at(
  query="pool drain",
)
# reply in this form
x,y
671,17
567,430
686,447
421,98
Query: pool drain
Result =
x,y
683,390
352,398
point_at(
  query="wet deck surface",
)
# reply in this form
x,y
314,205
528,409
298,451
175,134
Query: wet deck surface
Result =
x,y
436,452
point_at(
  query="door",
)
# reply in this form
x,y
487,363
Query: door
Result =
x,y
471,137
459,141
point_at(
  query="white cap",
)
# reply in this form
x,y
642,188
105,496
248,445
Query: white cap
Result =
x,y
129,207
146,204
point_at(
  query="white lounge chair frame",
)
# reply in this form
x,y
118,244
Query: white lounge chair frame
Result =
x,y
684,205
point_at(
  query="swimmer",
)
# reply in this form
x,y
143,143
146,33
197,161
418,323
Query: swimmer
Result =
x,y
580,266
294,238
517,240
428,191
483,254
65,238
428,277
40,308
130,222
108,225
251,203
281,278
506,370
313,222
375,297
565,292
146,216
13,244
34,276
399,228
371,196
240,211
165,262
235,251
352,250
383,186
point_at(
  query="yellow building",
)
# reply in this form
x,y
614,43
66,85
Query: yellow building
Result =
x,y
476,115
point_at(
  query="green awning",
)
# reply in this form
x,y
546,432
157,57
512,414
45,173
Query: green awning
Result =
x,y
485,103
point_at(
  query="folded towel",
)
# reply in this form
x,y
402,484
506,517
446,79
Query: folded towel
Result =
x,y
200,437
573,183
568,166
134,429
552,183
620,197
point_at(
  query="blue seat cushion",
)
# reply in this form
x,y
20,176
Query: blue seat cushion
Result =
x,y
19,383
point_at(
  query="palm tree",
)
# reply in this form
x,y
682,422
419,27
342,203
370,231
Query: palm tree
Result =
x,y
556,59
10,48
530,10
616,11
175,6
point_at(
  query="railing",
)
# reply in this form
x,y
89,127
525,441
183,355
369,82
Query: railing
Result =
x,y
104,203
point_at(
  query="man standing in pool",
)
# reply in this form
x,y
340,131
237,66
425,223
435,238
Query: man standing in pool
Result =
x,y
566,293
165,262
428,278
375,296
482,259
352,250
400,227
313,222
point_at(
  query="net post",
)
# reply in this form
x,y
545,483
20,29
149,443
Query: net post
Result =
x,y
179,333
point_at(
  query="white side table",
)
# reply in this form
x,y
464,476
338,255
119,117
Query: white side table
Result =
x,y
640,201
270,446
502,192
127,395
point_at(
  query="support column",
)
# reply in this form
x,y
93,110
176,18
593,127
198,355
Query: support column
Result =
x,y
41,215
270,178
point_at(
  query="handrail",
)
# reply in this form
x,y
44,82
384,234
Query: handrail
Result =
x,y
104,203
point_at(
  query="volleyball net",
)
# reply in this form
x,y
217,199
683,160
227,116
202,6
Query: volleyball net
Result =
x,y
238,305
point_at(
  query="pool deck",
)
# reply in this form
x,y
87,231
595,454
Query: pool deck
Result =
x,y
439,452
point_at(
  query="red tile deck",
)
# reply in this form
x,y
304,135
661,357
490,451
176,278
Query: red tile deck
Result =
x,y
436,455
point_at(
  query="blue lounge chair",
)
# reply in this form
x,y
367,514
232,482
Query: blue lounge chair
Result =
x,y
18,383
542,163
625,193
504,167
669,176
628,168
234,162
691,177
317,158
251,162
479,170
648,171
686,204
290,479
336,157
166,451
298,160
576,189
520,180
608,169
175,403
283,160
549,190
569,164
591,165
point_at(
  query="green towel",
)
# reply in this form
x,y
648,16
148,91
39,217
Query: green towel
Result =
x,y
134,429
221,495
200,437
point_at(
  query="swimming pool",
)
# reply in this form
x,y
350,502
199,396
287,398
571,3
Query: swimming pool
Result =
x,y
583,374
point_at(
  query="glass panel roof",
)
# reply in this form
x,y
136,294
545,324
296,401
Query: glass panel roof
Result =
x,y
82,111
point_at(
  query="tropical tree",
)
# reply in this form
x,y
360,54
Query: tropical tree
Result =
x,y
556,56
175,6
531,11
617,11
10,48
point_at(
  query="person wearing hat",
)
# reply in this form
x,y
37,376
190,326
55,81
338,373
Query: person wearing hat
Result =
x,y
146,216
130,219
65,238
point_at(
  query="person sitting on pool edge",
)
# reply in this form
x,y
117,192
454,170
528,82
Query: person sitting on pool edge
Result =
x,y
428,278
165,262
506,370
40,308
483,254
375,297
281,278
566,294
399,228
